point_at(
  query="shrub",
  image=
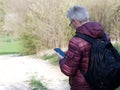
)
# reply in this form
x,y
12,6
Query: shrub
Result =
x,y
29,42
47,24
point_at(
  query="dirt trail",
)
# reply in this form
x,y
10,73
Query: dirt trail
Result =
x,y
16,70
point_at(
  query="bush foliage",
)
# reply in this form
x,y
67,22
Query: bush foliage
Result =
x,y
44,24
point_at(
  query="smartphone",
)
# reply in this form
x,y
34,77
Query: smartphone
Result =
x,y
58,50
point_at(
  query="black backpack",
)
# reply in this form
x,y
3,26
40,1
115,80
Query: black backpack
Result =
x,y
104,65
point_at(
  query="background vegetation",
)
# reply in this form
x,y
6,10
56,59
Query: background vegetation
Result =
x,y
33,26
35,84
42,24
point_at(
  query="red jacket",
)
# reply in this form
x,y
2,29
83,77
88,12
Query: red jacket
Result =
x,y
78,56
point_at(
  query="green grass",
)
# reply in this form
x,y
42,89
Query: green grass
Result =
x,y
118,88
9,47
117,46
52,58
36,84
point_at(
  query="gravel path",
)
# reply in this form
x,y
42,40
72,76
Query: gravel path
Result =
x,y
16,70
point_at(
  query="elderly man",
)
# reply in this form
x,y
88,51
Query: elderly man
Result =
x,y
77,56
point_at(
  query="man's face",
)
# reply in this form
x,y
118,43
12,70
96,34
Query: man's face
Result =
x,y
75,23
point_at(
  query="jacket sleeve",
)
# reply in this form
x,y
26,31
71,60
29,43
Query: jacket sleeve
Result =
x,y
70,64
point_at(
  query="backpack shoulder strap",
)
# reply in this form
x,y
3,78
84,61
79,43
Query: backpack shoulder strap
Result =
x,y
89,39
104,37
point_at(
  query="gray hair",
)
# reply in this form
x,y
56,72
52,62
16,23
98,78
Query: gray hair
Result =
x,y
77,12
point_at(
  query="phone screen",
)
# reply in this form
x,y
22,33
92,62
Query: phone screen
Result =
x,y
58,50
